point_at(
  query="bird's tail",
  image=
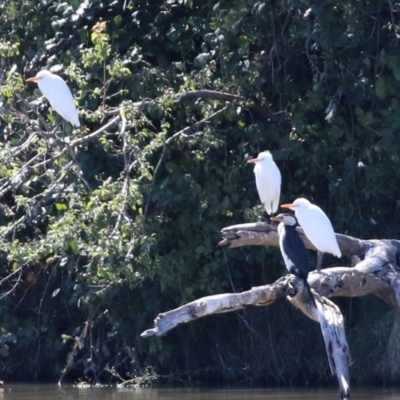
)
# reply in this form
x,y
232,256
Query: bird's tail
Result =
x,y
307,285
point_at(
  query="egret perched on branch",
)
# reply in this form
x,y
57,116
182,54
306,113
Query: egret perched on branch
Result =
x,y
268,181
316,226
58,94
293,251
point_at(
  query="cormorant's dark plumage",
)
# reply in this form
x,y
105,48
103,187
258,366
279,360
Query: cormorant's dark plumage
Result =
x,y
293,251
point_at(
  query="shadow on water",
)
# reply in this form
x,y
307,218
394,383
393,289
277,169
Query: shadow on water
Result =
x,y
53,392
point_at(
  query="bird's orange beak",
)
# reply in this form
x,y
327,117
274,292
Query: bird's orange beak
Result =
x,y
288,205
252,160
275,219
33,79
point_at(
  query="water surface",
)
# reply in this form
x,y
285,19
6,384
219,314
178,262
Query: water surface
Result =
x,y
53,392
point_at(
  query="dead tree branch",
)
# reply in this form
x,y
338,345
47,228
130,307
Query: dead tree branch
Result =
x,y
376,271
258,109
327,314
209,95
264,234
219,303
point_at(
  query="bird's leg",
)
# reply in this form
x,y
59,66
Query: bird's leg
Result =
x,y
272,207
66,132
58,132
54,131
63,129
58,126
292,290
320,256
262,219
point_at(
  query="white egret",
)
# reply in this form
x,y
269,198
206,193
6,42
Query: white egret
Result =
x,y
316,226
268,181
58,94
293,251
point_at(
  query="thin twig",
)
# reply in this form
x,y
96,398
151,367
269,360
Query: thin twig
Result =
x,y
96,134
45,195
125,189
10,275
9,183
34,109
392,19
3,295
74,351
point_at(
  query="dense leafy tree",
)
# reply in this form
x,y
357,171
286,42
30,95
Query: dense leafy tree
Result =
x,y
101,228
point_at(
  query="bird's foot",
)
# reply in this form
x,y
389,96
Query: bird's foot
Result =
x,y
320,256
292,290
261,220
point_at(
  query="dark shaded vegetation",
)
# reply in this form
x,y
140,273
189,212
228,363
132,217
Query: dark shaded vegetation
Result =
x,y
95,243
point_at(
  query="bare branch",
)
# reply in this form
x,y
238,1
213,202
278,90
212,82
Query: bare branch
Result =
x,y
264,234
96,134
31,107
15,285
327,314
220,303
43,198
18,177
258,109
208,95
71,355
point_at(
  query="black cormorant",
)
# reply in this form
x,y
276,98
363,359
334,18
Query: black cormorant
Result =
x,y
293,251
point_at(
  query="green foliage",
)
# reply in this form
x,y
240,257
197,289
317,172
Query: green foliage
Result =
x,y
99,236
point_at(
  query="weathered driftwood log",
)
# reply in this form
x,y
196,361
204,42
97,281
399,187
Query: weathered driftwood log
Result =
x,y
327,314
374,271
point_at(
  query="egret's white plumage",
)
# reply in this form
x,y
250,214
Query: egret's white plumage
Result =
x,y
268,181
316,226
58,94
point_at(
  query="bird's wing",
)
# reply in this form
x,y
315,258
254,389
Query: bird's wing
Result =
x,y
268,182
318,229
276,188
295,250
60,98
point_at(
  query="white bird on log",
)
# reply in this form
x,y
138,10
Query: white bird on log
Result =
x,y
316,226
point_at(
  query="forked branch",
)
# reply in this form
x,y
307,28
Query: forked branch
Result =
x,y
375,271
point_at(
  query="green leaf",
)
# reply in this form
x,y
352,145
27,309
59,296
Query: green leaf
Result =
x,y
73,244
61,206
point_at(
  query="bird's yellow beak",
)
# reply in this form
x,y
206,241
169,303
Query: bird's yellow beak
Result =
x,y
252,160
33,79
276,219
288,205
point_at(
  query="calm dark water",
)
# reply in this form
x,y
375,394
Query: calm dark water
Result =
x,y
53,392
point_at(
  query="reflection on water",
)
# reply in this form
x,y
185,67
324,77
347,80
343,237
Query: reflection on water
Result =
x,y
53,392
